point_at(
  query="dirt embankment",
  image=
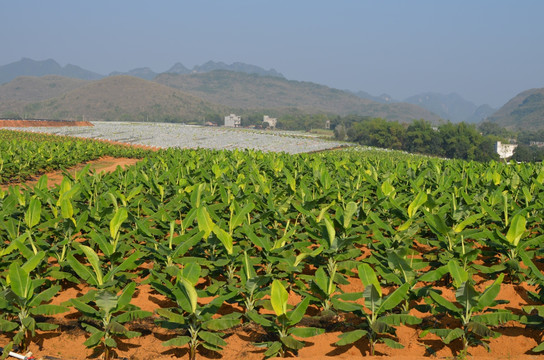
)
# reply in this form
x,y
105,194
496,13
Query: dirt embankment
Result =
x,y
45,123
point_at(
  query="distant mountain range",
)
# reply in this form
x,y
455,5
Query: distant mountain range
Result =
x,y
178,68
450,107
29,67
43,88
189,97
218,87
525,111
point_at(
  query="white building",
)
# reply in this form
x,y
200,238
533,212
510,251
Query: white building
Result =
x,y
270,121
505,150
233,121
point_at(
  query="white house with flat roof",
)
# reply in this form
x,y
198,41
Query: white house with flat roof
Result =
x,y
233,121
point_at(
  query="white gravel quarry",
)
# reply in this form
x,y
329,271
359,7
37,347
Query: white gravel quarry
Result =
x,y
167,135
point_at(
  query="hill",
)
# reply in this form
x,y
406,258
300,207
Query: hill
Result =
x,y
29,67
122,98
31,88
525,111
251,91
178,68
383,98
451,107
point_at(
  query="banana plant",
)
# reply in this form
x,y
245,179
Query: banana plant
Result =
x,y
94,274
473,309
23,302
379,319
195,320
282,326
104,315
534,314
251,288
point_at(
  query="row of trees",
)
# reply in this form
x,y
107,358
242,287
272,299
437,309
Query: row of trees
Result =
x,y
459,141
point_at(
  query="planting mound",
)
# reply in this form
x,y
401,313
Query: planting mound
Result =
x,y
42,123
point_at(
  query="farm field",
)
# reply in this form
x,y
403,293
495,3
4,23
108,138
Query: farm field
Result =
x,y
247,254
165,135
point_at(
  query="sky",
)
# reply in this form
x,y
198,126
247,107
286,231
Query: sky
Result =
x,y
487,51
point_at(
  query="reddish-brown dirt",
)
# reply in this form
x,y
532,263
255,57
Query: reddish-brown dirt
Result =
x,y
67,341
104,164
32,123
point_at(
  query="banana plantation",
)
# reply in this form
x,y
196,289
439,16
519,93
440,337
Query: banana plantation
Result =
x,y
357,243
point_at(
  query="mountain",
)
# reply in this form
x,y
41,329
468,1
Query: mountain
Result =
x,y
142,73
525,111
121,98
29,67
451,107
482,113
251,91
236,67
33,89
178,68
383,98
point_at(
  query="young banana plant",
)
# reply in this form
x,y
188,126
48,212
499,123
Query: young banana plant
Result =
x,y
23,302
379,319
104,321
283,325
200,329
94,275
473,309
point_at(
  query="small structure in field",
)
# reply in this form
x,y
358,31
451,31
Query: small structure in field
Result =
x,y
233,121
505,150
328,124
270,121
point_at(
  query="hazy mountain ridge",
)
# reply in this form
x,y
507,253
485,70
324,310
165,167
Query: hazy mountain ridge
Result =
x,y
383,98
29,67
524,111
451,107
269,93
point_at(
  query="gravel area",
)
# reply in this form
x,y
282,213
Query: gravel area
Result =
x,y
166,135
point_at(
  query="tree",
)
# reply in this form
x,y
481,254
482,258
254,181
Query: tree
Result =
x,y
340,132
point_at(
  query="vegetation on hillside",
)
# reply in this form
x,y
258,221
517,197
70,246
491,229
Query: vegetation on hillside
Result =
x,y
524,112
250,91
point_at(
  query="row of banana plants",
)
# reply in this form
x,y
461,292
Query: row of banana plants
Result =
x,y
24,154
252,229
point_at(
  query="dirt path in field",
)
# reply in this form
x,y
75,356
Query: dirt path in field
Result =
x,y
104,164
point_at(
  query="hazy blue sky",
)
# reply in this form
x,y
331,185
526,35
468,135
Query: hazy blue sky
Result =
x,y
485,50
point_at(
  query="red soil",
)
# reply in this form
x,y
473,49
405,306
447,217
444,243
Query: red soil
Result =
x,y
104,164
33,123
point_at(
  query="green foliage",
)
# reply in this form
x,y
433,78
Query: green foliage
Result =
x,y
197,321
104,314
243,229
23,155
380,320
23,302
473,309
456,141
283,325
